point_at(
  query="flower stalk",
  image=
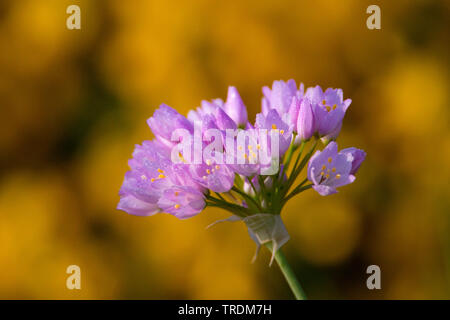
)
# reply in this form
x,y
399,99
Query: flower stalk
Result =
x,y
288,274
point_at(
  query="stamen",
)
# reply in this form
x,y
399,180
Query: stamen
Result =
x,y
329,159
208,162
324,167
338,176
282,131
322,173
334,106
328,108
160,171
161,176
324,101
176,193
258,146
181,157
152,179
208,171
177,206
217,167
327,176
334,169
274,126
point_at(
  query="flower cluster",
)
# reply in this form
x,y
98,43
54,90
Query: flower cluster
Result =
x,y
184,168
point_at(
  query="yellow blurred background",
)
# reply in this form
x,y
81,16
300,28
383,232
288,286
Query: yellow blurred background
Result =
x,y
74,102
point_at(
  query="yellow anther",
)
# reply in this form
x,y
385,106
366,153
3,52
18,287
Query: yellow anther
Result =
x,y
338,176
258,146
217,167
240,148
176,193
334,169
245,156
177,206
334,106
327,176
322,173
329,159
328,108
324,167
324,101
208,162
160,171
281,131
208,171
250,147
328,171
181,157
274,126
152,179
161,176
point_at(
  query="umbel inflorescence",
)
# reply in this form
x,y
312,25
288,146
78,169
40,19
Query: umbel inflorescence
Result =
x,y
216,157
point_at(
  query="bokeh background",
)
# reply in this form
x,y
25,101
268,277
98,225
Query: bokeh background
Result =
x,y
74,102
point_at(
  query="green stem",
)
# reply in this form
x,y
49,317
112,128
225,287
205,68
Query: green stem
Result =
x,y
235,209
289,274
247,197
289,153
302,146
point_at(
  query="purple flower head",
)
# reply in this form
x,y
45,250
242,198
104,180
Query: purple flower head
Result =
x,y
207,107
224,121
208,121
329,169
358,157
329,109
225,114
165,121
210,107
214,176
152,173
302,115
235,108
182,202
246,153
272,122
216,141
133,205
280,96
212,173
332,135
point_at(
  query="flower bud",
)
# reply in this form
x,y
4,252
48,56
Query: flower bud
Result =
x,y
235,107
305,120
